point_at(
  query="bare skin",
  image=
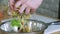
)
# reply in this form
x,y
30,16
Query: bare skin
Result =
x,y
27,5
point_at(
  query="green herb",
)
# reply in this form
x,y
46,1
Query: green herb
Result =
x,y
15,22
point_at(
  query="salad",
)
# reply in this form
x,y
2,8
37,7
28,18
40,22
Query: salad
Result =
x,y
21,23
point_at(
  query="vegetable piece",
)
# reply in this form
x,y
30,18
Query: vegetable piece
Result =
x,y
27,29
15,22
26,16
14,13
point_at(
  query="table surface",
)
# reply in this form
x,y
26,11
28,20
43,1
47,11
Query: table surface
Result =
x,y
52,29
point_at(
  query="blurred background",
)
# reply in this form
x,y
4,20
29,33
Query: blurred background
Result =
x,y
49,8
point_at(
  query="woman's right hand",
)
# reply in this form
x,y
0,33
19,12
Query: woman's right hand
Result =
x,y
28,5
11,4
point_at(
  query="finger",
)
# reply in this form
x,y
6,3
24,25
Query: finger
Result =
x,y
11,4
32,11
18,4
27,10
22,8
11,1
12,7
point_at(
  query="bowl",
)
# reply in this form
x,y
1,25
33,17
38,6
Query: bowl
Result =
x,y
34,26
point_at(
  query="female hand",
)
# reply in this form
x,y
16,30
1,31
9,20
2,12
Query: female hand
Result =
x,y
28,6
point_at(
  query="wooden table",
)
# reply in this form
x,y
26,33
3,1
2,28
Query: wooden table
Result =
x,y
58,32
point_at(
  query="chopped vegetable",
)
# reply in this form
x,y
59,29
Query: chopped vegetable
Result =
x,y
21,22
15,22
14,14
27,29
